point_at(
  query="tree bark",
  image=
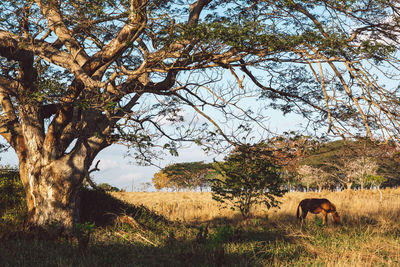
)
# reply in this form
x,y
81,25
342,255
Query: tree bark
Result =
x,y
52,194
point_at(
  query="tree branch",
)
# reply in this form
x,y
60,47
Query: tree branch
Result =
x,y
195,10
50,10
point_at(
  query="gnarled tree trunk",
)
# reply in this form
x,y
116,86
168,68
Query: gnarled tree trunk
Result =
x,y
52,193
52,177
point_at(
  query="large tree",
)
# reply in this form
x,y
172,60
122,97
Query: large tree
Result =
x,y
77,76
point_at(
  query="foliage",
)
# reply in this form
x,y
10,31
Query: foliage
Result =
x,y
82,229
108,187
160,180
314,177
360,169
375,180
248,176
289,150
344,160
11,188
187,175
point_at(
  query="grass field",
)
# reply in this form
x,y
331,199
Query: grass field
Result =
x,y
354,206
369,235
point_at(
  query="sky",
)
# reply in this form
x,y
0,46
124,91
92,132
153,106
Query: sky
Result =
x,y
120,171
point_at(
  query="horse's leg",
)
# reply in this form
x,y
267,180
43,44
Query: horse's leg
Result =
x,y
324,217
303,215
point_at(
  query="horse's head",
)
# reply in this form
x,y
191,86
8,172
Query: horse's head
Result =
x,y
336,217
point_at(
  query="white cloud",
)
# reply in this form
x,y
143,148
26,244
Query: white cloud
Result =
x,y
106,164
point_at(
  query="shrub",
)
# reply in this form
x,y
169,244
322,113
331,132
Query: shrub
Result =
x,y
247,177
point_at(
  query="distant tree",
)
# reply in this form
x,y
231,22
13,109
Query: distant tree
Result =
x,y
247,177
144,186
345,180
188,175
314,177
108,187
307,175
161,180
289,150
360,169
377,181
342,159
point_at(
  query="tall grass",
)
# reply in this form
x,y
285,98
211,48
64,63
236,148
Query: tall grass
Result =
x,y
369,235
355,207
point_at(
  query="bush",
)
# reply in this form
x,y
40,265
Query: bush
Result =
x,y
247,177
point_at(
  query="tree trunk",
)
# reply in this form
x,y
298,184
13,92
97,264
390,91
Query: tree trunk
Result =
x,y
362,186
52,195
348,185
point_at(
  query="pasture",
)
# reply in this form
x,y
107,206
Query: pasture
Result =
x,y
192,207
201,234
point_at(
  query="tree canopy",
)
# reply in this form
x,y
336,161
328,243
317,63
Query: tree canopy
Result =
x,y
185,175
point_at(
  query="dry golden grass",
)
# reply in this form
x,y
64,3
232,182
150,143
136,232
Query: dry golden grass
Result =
x,y
355,207
369,235
183,206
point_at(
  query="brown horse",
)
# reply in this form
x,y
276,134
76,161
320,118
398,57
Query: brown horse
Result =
x,y
317,205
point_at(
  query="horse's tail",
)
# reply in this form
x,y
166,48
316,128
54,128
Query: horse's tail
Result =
x,y
297,214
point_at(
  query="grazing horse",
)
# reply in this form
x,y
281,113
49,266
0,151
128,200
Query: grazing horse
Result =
x,y
317,205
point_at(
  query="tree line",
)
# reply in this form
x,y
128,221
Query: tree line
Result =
x,y
305,164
